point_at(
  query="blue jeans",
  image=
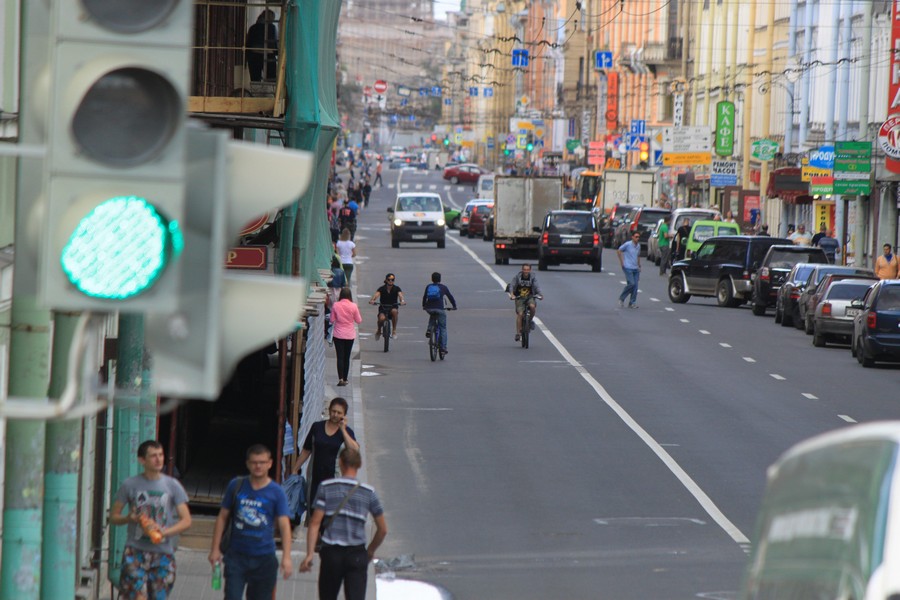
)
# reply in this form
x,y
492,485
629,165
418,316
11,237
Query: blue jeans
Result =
x,y
257,573
441,316
631,277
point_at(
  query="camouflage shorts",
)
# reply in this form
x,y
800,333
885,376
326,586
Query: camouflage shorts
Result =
x,y
149,575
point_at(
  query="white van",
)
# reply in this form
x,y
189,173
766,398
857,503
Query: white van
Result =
x,y
485,188
829,525
418,217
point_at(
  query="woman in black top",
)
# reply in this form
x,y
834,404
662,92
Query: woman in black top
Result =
x,y
323,442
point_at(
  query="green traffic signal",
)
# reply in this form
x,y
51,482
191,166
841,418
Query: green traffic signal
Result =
x,y
120,248
529,147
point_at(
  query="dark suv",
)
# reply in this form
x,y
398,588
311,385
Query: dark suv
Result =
x,y
609,222
721,267
569,236
643,220
774,268
876,326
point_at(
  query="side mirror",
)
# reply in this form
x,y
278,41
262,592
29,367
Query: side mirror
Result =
x,y
856,303
755,266
390,209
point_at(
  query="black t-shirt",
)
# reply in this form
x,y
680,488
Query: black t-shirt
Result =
x,y
326,452
683,232
389,295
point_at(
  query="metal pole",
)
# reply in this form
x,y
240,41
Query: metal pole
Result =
x,y
62,457
747,133
804,82
833,22
791,89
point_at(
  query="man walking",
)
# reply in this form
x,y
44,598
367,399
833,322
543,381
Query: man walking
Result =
x,y
254,504
157,512
378,168
887,266
630,258
664,236
344,503
830,245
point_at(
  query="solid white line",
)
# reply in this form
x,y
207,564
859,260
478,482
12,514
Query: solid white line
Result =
x,y
848,419
724,345
690,485
703,331
776,376
809,396
748,359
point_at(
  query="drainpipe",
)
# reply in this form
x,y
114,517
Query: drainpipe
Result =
x,y
832,73
748,100
711,16
804,82
844,91
791,83
767,98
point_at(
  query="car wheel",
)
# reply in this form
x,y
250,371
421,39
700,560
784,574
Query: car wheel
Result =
x,y
441,243
469,234
597,266
787,318
454,180
542,264
454,224
798,322
676,290
852,346
864,359
808,325
498,260
758,309
506,261
395,243
818,340
724,295
462,232
778,315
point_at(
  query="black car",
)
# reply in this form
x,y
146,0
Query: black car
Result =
x,y
609,222
721,267
774,268
643,219
570,237
789,293
876,327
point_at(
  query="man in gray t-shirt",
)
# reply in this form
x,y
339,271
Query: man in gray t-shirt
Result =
x,y
157,513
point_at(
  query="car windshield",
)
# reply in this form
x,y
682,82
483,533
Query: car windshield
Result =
x,y
590,185
889,299
570,223
786,259
650,217
419,203
486,184
821,272
703,232
847,291
481,210
803,273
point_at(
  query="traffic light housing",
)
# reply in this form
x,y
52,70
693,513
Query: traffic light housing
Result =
x,y
221,316
433,138
112,102
446,141
644,151
529,141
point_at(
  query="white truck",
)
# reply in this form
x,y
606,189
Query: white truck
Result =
x,y
620,186
520,205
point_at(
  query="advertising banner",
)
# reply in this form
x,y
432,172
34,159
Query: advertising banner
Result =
x,y
725,128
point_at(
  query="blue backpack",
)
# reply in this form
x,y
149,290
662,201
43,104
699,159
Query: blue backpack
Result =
x,y
433,292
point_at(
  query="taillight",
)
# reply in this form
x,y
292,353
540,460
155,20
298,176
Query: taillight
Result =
x,y
795,295
745,275
871,320
634,226
596,239
545,239
826,309
764,273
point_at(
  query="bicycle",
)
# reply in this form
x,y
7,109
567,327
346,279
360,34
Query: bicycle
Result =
x,y
434,339
387,324
527,316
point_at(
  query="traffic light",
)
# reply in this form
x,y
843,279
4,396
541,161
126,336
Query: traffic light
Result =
x,y
644,151
221,316
446,141
529,141
114,103
506,150
433,138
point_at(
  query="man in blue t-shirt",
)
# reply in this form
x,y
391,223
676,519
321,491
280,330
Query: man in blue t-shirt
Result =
x,y
255,504
433,303
630,258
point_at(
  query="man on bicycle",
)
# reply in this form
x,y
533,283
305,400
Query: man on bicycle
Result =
x,y
391,296
524,289
433,302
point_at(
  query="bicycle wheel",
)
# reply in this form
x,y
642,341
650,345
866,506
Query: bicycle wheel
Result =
x,y
526,328
433,340
386,333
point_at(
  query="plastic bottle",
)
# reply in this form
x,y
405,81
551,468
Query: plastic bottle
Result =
x,y
151,529
217,576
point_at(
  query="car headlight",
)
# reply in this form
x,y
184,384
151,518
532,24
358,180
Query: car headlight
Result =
x,y
441,222
398,222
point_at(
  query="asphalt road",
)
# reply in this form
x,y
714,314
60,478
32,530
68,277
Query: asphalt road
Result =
x,y
622,456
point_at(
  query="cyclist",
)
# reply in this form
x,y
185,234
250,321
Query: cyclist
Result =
x,y
433,302
390,297
524,289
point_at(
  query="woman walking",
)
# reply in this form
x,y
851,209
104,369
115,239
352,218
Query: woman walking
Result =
x,y
346,249
323,443
344,316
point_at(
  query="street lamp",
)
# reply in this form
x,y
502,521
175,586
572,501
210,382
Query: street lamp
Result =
x,y
789,117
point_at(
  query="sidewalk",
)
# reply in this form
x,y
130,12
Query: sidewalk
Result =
x,y
195,574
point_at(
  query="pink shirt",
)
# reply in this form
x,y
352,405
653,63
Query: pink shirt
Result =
x,y
343,314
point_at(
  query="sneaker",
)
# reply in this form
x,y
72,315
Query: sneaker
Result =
x,y
518,337
428,334
621,304
444,351
341,383
632,306
393,336
378,334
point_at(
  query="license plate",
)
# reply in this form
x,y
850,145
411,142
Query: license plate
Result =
x,y
419,236
851,312
570,241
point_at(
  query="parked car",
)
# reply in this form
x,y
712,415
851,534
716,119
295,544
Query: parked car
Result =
x,y
774,268
641,219
789,293
676,220
466,214
703,230
722,268
829,523
488,234
478,218
876,329
417,217
811,288
833,317
608,222
463,173
571,237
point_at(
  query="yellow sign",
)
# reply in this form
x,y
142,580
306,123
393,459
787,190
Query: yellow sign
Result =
x,y
681,159
468,144
526,125
459,138
807,173
823,211
539,132
521,140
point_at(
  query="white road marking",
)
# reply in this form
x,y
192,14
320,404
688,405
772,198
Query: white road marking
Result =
x,y
776,376
654,299
610,273
724,345
390,186
703,331
684,320
418,186
848,419
689,484
369,374
623,282
748,359
432,186
405,186
809,396
670,309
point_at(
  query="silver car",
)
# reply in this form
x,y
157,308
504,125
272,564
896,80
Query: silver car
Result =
x,y
675,220
834,316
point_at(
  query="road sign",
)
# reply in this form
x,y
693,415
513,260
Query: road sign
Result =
x,y
822,158
633,142
638,126
488,92
723,173
686,139
685,159
521,140
852,168
490,143
380,86
520,58
603,60
511,138
657,158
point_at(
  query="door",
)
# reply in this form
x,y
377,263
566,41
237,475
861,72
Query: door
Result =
x,y
697,272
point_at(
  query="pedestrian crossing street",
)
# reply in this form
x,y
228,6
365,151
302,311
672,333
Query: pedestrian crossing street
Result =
x,y
430,187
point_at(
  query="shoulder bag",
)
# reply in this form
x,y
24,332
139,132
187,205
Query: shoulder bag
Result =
x,y
327,523
225,542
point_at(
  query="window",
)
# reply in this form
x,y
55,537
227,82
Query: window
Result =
x,y
571,223
706,250
703,232
889,298
419,203
846,291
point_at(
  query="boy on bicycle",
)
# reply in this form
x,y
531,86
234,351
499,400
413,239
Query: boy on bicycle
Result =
x,y
391,296
433,302
524,289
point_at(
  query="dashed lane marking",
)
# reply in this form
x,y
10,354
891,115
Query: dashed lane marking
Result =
x,y
724,345
809,396
847,418
776,376
703,331
748,359
432,186
684,320
654,299
418,186
670,309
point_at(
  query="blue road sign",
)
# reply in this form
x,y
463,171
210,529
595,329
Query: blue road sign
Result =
x,y
436,91
412,117
404,102
448,101
638,126
603,60
490,143
657,158
488,92
633,141
473,91
423,91
520,58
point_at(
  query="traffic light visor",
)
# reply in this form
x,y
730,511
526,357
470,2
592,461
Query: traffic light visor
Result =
x,y
129,16
126,117
120,248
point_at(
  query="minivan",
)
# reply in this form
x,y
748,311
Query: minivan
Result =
x,y
417,217
829,523
703,230
485,187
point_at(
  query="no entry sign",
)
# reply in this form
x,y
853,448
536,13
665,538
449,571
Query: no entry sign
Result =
x,y
380,86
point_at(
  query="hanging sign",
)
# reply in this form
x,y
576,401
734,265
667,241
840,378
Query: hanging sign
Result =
x,y
725,128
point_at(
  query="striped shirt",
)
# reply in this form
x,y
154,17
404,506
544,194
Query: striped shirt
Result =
x,y
349,527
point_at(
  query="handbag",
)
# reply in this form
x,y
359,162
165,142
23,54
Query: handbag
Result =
x,y
225,542
327,524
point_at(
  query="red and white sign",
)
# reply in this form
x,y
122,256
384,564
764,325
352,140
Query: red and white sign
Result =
x,y
380,86
596,153
889,137
893,164
367,91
